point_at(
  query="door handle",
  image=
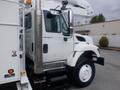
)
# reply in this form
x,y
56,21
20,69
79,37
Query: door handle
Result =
x,y
32,47
45,48
65,39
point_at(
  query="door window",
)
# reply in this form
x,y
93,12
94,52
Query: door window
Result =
x,y
52,23
28,21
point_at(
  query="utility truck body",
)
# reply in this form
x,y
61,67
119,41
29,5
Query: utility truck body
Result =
x,y
12,47
38,44
9,47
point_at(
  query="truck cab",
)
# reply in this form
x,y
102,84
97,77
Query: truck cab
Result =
x,y
57,38
51,45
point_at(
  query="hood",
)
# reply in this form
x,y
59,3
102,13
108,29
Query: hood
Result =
x,y
78,38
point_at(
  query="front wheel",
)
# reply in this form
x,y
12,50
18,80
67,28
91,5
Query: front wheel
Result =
x,y
83,73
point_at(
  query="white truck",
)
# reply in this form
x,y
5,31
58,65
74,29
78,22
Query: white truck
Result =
x,y
38,44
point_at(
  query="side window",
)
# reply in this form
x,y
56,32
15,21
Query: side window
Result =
x,y
52,24
28,21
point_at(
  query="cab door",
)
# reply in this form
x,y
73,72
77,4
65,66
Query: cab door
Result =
x,y
57,46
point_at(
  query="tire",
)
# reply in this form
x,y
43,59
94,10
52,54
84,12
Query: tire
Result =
x,y
83,73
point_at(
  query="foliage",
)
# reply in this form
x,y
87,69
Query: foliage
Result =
x,y
98,18
104,41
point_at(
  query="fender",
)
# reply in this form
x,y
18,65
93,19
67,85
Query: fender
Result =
x,y
79,50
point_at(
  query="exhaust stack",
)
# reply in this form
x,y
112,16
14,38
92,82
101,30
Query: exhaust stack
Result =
x,y
38,63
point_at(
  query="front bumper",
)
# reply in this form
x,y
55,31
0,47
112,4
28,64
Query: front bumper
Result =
x,y
100,61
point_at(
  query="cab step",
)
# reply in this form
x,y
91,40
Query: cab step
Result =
x,y
52,80
53,84
51,73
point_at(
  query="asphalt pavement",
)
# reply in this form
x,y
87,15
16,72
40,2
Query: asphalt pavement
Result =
x,y
108,76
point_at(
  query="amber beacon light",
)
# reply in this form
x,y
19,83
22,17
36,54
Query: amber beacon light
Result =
x,y
29,2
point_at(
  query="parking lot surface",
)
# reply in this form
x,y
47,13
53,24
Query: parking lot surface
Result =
x,y
108,76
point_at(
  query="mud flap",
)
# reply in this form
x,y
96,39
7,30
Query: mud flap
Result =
x,y
100,61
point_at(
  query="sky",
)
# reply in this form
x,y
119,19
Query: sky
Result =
x,y
109,8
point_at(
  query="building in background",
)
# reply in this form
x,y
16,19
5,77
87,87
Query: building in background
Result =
x,y
110,28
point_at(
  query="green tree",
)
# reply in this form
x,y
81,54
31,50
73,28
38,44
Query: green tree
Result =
x,y
104,42
98,18
101,18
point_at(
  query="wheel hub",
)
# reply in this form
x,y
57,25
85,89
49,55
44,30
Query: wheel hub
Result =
x,y
85,73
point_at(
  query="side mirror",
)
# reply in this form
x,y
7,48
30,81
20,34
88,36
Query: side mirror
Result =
x,y
68,14
70,18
